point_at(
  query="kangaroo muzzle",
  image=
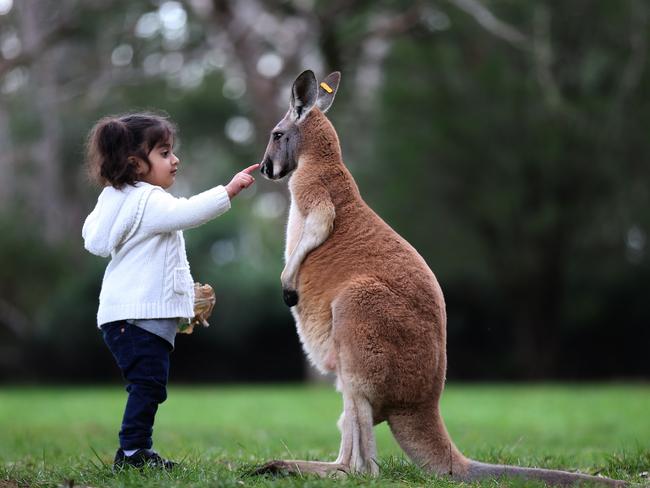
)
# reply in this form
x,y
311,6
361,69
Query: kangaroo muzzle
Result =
x,y
267,168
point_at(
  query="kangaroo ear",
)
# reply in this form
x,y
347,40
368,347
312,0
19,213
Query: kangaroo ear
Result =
x,y
304,94
327,91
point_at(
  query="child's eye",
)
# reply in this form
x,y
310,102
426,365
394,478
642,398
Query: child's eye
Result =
x,y
165,154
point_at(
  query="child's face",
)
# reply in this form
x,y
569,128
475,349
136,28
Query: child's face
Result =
x,y
164,165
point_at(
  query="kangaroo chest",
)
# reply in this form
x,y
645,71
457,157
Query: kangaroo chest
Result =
x,y
313,318
295,225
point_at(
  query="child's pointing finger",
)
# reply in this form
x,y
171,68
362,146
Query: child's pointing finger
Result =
x,y
251,168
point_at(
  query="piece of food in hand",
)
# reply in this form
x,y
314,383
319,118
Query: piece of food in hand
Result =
x,y
204,300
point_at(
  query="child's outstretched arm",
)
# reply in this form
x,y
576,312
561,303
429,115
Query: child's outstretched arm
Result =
x,y
166,213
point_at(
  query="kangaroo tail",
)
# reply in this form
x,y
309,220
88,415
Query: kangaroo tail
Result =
x,y
421,433
477,471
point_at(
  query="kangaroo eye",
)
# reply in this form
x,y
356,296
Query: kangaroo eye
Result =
x,y
277,135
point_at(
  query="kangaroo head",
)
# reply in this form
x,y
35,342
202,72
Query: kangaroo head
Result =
x,y
285,144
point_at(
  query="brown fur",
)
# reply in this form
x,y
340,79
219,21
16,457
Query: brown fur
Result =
x,y
370,309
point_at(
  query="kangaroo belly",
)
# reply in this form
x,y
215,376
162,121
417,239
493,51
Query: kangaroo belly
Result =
x,y
314,329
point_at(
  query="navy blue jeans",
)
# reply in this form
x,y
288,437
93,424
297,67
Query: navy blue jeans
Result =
x,y
143,358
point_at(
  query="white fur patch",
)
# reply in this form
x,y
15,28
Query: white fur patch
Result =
x,y
316,348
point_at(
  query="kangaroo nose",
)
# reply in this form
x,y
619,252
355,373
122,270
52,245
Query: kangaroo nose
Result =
x,y
267,167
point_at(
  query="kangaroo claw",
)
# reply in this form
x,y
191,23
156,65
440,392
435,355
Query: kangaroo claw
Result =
x,y
290,297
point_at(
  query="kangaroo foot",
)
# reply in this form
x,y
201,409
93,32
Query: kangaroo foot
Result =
x,y
294,467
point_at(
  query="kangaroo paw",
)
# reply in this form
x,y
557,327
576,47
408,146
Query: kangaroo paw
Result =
x,y
302,467
290,297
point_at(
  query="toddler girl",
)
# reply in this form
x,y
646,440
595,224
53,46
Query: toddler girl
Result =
x,y
147,286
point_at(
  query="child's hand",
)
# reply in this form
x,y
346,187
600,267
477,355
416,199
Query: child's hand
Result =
x,y
241,180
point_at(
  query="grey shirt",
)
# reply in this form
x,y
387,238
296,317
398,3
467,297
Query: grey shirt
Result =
x,y
165,328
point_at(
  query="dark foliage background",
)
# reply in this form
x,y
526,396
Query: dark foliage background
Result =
x,y
507,141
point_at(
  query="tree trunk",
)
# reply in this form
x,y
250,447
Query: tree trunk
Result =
x,y
7,161
46,189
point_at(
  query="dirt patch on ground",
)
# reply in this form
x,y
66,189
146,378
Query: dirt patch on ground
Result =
x,y
8,484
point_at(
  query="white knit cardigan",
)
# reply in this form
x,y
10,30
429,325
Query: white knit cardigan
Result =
x,y
140,228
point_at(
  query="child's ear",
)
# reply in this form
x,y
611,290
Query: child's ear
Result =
x,y
141,168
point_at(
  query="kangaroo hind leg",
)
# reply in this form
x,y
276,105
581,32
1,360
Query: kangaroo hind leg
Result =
x,y
361,369
358,450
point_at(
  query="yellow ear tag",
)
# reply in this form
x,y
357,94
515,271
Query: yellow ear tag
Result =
x,y
326,87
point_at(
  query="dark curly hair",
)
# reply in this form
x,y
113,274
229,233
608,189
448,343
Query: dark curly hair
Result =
x,y
116,142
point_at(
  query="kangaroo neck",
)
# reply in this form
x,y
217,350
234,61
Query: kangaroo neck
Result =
x,y
321,159
331,173
319,142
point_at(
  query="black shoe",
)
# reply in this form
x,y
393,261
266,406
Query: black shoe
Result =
x,y
140,459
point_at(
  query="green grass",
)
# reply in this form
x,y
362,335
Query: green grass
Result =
x,y
49,436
